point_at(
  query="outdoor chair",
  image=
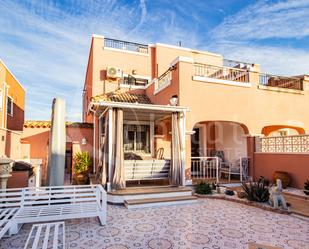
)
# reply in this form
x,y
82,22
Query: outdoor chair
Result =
x,y
239,167
220,154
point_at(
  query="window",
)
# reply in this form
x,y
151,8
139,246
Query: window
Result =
x,y
136,138
9,106
132,81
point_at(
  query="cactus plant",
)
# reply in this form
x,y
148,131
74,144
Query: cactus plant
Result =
x,y
256,191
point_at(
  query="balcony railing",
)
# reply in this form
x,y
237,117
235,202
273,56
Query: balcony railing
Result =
x,y
222,73
125,45
164,79
205,168
283,144
236,64
281,81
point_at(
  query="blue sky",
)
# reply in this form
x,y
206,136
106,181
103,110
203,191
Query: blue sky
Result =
x,y
46,43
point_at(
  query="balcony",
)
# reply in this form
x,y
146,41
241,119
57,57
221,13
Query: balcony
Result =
x,y
240,73
269,80
125,45
222,74
163,80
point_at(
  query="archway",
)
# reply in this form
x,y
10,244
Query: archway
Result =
x,y
225,140
282,130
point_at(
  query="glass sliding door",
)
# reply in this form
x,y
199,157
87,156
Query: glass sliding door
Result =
x,y
136,138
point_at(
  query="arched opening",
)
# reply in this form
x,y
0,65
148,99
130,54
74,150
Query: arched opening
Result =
x,y
226,140
219,135
282,130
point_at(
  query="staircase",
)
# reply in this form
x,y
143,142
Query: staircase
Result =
x,y
140,197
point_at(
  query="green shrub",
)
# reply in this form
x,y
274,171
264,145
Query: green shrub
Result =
x,y
82,162
203,188
256,191
306,187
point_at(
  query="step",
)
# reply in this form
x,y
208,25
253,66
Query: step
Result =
x,y
148,190
121,196
166,201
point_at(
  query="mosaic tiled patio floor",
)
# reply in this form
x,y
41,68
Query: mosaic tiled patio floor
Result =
x,y
208,224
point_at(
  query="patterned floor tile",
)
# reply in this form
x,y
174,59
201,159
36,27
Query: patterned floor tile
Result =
x,y
208,224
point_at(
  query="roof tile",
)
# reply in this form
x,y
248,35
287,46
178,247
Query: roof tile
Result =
x,y
122,97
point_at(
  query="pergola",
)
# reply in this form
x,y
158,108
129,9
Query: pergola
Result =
x,y
116,112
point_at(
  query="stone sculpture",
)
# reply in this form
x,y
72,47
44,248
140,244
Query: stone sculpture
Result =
x,y
276,197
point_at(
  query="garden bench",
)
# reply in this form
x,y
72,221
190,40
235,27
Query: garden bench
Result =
x,y
54,203
47,235
6,215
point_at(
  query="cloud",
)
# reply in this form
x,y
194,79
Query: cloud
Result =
x,y
46,43
280,61
264,20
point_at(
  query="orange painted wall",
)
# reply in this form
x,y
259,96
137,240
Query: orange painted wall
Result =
x,y
269,129
254,107
207,101
297,165
38,138
17,93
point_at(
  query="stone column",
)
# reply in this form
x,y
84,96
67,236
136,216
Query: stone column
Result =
x,y
5,171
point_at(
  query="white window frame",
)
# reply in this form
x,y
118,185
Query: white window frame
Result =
x,y
12,105
151,124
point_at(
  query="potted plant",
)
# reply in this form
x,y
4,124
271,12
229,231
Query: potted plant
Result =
x,y
203,188
82,163
306,187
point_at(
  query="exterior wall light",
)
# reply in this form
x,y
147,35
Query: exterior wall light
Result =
x,y
84,141
174,100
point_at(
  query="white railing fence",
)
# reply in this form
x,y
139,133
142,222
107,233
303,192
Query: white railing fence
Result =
x,y
222,73
205,168
280,81
283,144
163,80
125,45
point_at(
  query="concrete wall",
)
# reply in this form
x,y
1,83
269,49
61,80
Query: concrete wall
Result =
x,y
297,165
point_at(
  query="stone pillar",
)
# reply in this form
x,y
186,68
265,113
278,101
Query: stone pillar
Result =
x,y
5,171
37,165
57,144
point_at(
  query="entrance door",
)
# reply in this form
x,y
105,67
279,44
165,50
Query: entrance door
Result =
x,y
195,143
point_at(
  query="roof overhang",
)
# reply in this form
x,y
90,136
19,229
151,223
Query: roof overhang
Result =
x,y
161,108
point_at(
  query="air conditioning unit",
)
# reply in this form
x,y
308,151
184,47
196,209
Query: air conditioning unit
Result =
x,y
113,72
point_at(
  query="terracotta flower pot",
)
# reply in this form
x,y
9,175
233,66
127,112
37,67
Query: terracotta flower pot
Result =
x,y
81,178
241,194
283,176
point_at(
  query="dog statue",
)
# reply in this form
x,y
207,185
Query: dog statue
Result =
x,y
276,198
